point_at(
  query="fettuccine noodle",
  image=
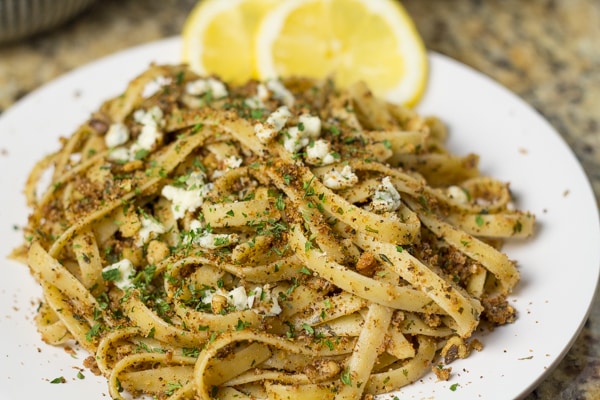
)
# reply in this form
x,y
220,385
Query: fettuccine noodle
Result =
x,y
282,239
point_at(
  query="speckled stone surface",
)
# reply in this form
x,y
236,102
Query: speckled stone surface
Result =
x,y
546,51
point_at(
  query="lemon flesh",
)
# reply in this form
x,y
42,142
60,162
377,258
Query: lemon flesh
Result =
x,y
218,37
349,40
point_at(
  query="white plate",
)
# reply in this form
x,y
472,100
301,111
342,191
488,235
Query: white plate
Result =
x,y
559,267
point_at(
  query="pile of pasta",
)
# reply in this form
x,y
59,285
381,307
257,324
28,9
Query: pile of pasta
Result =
x,y
279,239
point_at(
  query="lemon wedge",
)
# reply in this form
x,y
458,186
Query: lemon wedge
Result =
x,y
349,40
218,37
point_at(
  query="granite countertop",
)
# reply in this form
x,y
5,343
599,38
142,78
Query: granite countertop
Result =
x,y
546,51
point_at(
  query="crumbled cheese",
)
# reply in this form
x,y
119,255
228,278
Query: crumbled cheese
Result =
x,y
208,240
275,308
238,298
155,85
217,88
295,140
117,134
151,121
196,226
182,200
268,304
126,272
264,133
195,180
253,295
280,92
274,123
319,153
262,94
311,125
119,154
201,86
386,197
279,117
148,137
457,193
188,198
152,116
254,103
215,240
149,227
197,87
345,178
299,136
260,300
232,162
228,163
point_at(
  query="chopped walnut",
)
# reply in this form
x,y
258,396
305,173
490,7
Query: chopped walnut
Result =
x,y
157,251
218,303
497,310
319,284
133,254
130,223
321,370
132,166
475,345
432,320
443,374
455,348
366,264
90,363
99,124
398,318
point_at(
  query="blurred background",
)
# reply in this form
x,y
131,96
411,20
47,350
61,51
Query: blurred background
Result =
x,y
546,51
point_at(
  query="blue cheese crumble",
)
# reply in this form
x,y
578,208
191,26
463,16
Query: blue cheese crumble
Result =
x,y
190,197
386,198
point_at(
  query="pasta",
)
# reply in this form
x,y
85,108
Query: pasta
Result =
x,y
280,239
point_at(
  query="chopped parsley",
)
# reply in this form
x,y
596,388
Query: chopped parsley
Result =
x,y
479,220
